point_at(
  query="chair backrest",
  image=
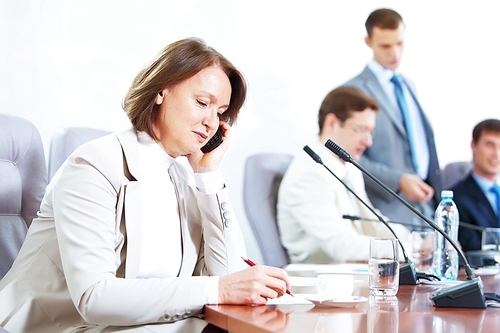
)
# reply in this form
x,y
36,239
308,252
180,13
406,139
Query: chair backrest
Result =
x,y
23,179
262,177
65,140
455,172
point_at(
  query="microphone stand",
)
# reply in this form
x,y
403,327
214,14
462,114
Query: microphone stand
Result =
x,y
468,294
407,271
359,218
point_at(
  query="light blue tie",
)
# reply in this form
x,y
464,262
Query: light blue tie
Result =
x,y
403,107
496,189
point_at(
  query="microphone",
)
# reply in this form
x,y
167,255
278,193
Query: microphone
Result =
x,y
359,218
407,271
470,226
468,294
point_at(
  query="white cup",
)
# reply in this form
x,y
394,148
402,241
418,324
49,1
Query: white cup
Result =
x,y
334,286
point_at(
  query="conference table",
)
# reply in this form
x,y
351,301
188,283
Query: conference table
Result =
x,y
410,310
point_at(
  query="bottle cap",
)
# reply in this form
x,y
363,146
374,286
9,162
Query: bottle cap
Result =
x,y
446,194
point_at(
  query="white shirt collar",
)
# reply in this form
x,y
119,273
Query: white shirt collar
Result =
x,y
153,150
383,74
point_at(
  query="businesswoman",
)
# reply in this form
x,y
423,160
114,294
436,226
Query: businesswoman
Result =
x,y
137,227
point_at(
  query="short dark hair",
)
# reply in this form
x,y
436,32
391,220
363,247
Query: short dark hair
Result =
x,y
176,63
487,125
342,102
383,18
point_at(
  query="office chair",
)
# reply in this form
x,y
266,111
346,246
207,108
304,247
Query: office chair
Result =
x,y
23,179
262,177
65,140
454,172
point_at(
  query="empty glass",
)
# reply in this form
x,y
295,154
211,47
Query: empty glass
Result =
x,y
490,239
423,246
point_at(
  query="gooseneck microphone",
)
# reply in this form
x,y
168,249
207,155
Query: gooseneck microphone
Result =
x,y
407,272
359,218
468,294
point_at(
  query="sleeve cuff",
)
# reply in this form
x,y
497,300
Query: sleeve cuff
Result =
x,y
209,182
212,290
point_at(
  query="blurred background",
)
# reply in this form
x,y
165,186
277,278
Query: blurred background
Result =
x,y
70,63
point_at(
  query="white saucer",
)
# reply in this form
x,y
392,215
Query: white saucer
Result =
x,y
348,302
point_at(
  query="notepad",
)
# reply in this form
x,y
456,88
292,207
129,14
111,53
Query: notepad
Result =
x,y
353,269
287,299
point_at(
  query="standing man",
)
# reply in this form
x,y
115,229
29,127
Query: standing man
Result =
x,y
312,202
403,154
478,195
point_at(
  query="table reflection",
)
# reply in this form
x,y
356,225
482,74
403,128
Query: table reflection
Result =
x,y
383,315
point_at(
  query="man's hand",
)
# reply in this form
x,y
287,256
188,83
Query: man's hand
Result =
x,y
415,189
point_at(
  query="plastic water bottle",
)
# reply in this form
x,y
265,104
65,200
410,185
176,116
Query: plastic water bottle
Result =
x,y
446,257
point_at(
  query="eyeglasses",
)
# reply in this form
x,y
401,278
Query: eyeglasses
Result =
x,y
361,130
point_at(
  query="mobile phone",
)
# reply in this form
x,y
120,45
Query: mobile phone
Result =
x,y
213,143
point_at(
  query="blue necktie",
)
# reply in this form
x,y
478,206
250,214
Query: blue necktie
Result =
x,y
496,189
403,107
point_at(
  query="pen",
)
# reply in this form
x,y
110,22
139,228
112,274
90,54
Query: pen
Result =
x,y
250,263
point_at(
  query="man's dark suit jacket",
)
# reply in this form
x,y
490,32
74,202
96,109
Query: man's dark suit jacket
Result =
x,y
473,208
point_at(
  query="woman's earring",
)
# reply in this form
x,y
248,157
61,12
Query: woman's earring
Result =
x,y
159,98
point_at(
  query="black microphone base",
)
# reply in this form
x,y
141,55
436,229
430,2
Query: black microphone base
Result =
x,y
483,258
465,295
407,274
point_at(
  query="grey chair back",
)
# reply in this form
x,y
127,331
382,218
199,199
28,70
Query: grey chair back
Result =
x,y
23,179
454,172
262,177
65,140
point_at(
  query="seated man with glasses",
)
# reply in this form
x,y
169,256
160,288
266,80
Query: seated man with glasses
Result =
x,y
312,202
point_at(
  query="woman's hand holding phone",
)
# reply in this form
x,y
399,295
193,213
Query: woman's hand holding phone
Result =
x,y
209,156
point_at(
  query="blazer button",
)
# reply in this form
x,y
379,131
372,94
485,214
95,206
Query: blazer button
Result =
x,y
223,205
227,222
226,214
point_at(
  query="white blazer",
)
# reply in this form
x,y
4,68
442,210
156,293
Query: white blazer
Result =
x,y
311,202
79,262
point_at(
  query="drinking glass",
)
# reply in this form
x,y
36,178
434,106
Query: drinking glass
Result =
x,y
490,239
383,267
423,246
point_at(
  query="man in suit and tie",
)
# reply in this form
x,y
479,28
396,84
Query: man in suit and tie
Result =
x,y
477,196
403,154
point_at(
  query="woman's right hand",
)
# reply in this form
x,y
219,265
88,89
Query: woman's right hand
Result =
x,y
254,285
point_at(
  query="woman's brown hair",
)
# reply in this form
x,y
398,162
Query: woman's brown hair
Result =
x,y
175,63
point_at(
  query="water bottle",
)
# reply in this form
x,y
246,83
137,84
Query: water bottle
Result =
x,y
446,257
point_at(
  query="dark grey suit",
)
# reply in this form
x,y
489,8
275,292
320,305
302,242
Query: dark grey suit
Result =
x,y
389,156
